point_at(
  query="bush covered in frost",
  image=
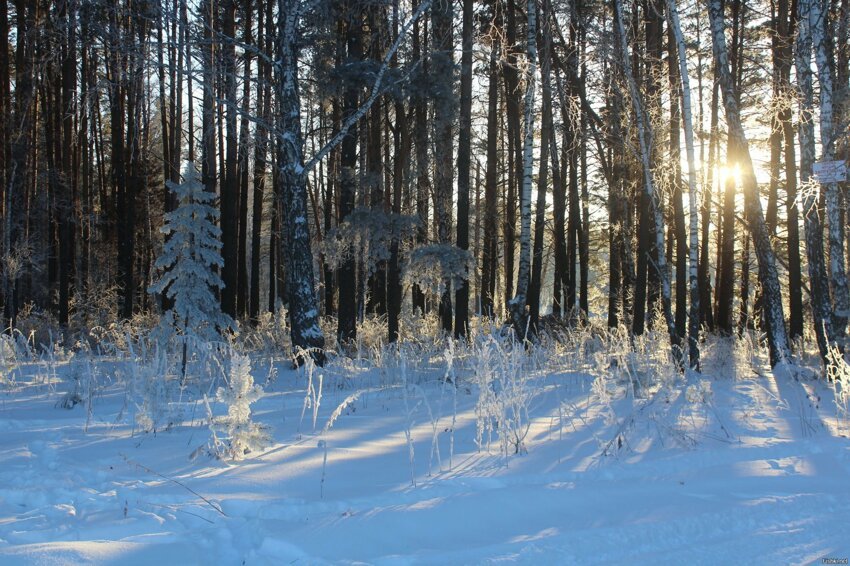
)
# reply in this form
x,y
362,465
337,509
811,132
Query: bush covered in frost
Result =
x,y
236,435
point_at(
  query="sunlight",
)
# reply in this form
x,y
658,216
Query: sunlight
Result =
x,y
728,172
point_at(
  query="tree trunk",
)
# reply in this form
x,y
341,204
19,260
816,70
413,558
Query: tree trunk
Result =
x,y
822,42
490,261
518,304
303,306
649,183
768,277
347,275
543,171
464,151
442,15
243,169
514,155
261,142
681,237
230,186
423,184
818,282
787,20
693,197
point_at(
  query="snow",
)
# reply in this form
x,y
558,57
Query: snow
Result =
x,y
730,467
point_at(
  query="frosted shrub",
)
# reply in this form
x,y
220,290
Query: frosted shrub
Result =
x,y
838,375
8,359
155,391
36,324
269,334
239,435
699,392
601,387
504,394
371,335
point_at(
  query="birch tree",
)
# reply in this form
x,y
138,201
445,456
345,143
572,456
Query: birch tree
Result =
x,y
650,191
519,316
693,197
818,282
818,26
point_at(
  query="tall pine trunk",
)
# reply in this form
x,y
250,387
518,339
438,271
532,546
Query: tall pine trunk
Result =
x,y
768,276
464,151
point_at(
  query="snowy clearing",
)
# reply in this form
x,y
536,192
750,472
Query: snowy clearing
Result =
x,y
723,469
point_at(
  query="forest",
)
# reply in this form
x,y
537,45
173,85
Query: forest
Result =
x,y
580,238
612,162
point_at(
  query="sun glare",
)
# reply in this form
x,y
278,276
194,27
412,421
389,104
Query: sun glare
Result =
x,y
727,172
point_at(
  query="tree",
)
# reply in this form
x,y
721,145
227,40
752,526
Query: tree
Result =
x,y
490,262
535,284
300,280
442,64
768,276
694,312
519,315
654,211
818,282
464,151
819,27
347,274
188,262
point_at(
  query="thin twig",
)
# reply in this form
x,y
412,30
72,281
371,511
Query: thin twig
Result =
x,y
178,482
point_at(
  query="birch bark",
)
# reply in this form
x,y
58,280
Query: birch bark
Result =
x,y
655,213
814,229
818,25
518,304
693,259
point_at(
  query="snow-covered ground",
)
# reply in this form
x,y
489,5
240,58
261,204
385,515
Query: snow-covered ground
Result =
x,y
746,467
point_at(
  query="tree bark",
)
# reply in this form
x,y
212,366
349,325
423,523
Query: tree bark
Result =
x,y
305,330
543,171
347,275
519,313
649,183
489,269
464,151
693,197
442,16
822,42
818,282
768,276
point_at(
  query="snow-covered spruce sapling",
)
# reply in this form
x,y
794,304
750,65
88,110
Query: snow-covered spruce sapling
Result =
x,y
240,435
191,253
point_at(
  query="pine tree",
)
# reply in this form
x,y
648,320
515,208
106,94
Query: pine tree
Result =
x,y
190,254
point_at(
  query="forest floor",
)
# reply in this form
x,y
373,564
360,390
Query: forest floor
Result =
x,y
733,466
